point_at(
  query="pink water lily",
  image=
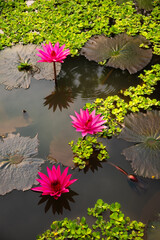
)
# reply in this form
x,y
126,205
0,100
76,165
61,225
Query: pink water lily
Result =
x,y
55,183
88,122
53,54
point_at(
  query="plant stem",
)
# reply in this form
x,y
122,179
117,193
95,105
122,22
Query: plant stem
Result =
x,y
54,69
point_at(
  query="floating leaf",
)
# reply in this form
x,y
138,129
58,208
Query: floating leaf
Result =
x,y
19,63
145,4
145,130
122,51
18,170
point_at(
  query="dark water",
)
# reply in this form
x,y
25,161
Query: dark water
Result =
x,y
24,215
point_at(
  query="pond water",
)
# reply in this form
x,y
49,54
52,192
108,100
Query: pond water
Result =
x,y
24,215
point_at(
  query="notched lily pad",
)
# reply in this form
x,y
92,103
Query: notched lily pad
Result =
x,y
19,63
122,51
143,129
18,167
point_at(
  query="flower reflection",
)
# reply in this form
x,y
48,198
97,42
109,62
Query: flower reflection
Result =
x,y
60,203
61,98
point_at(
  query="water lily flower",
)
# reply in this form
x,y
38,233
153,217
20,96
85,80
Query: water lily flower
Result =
x,y
88,122
55,183
53,54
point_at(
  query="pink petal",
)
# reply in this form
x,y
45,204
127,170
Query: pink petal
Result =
x,y
58,172
71,182
44,177
64,174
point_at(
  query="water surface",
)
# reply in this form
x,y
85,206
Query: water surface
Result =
x,y
24,215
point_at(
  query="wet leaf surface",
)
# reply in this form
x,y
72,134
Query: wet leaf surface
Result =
x,y
18,167
12,58
144,129
122,51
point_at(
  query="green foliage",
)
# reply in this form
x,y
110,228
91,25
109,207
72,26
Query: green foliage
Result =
x,y
114,108
116,226
74,22
87,148
24,66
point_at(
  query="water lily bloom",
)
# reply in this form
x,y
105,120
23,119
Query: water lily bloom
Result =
x,y
53,54
88,122
55,183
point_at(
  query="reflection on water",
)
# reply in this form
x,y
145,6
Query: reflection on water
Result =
x,y
61,98
84,81
58,205
91,80
10,124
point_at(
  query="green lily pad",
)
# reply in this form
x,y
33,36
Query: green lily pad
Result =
x,y
122,51
19,63
144,129
18,167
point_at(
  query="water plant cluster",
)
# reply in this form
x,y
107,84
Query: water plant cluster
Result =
x,y
110,223
74,22
86,149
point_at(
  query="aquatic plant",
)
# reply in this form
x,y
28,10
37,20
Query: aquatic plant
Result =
x,y
141,4
85,149
122,51
18,167
53,54
55,183
19,63
76,26
114,226
88,122
144,130
145,4
114,108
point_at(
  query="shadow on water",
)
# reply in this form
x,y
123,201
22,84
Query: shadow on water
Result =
x,y
23,215
59,204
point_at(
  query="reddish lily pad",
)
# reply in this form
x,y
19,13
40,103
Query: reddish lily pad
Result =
x,y
122,51
144,129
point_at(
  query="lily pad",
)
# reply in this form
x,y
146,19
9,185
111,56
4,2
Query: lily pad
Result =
x,y
144,129
122,51
19,63
145,4
18,168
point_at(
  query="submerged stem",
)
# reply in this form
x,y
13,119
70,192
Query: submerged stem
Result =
x,y
130,176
